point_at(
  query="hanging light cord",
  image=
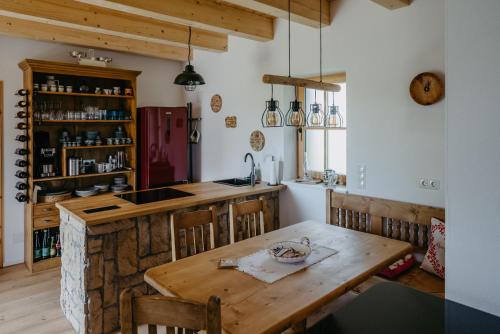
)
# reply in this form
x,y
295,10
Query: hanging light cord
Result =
x,y
272,92
189,46
289,41
320,41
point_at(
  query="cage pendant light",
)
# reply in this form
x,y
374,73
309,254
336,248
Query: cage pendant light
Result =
x,y
272,116
189,78
295,116
333,118
316,115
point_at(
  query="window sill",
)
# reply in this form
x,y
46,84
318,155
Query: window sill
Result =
x,y
292,183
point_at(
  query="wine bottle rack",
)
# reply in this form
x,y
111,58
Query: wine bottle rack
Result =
x,y
22,125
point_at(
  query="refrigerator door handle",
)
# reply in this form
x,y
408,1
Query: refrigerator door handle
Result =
x,y
168,131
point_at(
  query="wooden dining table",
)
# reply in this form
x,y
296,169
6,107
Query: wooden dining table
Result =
x,y
253,306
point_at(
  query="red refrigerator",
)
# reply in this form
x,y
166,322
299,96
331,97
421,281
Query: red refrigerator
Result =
x,y
163,146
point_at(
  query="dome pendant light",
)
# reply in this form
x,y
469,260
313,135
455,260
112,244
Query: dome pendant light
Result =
x,y
272,116
189,78
316,117
295,116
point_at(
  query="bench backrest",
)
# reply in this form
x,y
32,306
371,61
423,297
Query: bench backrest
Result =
x,y
396,220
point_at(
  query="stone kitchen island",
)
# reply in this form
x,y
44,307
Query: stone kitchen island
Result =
x,y
109,242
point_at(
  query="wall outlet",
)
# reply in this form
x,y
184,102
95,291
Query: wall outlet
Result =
x,y
428,184
423,183
434,184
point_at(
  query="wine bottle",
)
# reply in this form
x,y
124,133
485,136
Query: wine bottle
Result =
x,y
22,92
21,174
58,246
22,138
22,126
21,151
21,163
21,114
22,104
45,245
53,250
21,185
21,198
38,248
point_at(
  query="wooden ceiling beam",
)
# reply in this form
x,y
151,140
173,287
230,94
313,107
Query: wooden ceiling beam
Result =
x,y
302,11
393,4
109,21
212,15
47,32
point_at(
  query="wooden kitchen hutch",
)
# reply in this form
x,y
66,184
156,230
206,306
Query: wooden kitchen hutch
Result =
x,y
41,216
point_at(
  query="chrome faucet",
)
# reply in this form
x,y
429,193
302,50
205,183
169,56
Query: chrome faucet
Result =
x,y
252,172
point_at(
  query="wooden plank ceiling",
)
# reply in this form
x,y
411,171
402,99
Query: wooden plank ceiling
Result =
x,y
156,28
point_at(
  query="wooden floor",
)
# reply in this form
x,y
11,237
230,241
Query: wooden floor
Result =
x,y
29,303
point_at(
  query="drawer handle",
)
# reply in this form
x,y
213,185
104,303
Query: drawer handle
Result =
x,y
47,221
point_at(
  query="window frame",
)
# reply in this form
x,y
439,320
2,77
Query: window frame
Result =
x,y
338,78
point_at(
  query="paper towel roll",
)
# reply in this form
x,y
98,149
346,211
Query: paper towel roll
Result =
x,y
273,175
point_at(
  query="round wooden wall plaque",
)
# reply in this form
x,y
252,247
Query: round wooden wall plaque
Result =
x,y
257,141
426,88
216,103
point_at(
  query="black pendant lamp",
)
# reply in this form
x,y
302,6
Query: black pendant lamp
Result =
x,y
272,116
189,78
316,117
295,116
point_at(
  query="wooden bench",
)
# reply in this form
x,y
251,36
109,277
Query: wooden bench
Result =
x,y
391,219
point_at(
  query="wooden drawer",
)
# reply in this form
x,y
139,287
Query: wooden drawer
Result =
x,y
45,222
43,210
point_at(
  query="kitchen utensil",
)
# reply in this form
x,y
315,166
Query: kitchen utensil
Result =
x,y
290,251
195,135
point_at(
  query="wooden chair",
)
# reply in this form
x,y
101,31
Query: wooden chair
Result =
x,y
187,316
198,237
243,220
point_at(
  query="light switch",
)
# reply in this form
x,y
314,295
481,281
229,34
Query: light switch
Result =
x,y
361,176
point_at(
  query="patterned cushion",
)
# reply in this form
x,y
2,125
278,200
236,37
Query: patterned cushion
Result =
x,y
434,258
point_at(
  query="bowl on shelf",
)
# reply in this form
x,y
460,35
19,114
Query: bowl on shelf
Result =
x,y
102,188
86,192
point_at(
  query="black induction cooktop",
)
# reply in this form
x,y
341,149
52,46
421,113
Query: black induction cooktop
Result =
x,y
155,195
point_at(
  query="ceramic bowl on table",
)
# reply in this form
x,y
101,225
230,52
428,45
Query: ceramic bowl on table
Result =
x,y
290,251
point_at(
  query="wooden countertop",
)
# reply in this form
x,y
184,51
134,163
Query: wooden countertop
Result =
x,y
204,193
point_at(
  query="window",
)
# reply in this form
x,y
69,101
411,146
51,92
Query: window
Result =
x,y
325,148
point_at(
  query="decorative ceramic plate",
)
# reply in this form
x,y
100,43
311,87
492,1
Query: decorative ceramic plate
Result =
x,y
290,251
216,103
257,140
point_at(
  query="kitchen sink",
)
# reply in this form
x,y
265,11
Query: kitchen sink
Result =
x,y
235,182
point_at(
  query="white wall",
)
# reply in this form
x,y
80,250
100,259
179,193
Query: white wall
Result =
x,y
473,154
381,51
154,88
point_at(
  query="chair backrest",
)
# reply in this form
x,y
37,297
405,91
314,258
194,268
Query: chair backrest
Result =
x,y
246,219
392,219
197,228
187,316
